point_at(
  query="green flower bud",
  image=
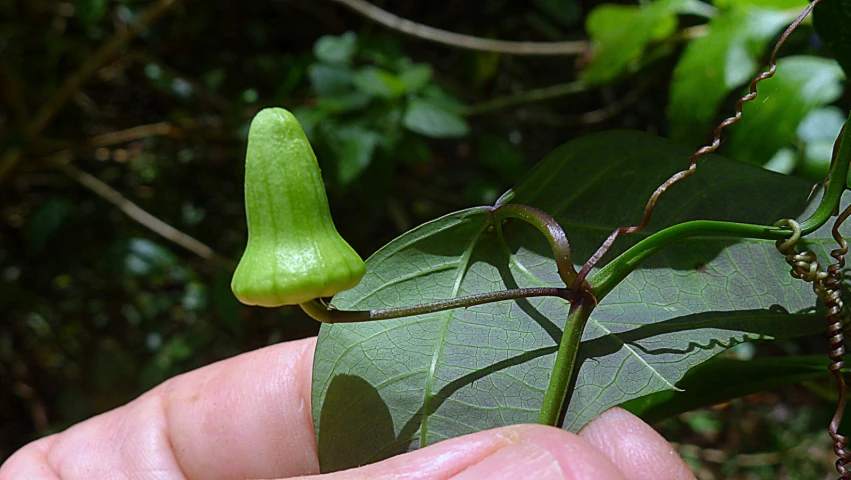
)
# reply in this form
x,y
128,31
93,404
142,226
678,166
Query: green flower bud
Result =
x,y
294,252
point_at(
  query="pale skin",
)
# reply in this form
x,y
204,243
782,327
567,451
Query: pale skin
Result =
x,y
249,418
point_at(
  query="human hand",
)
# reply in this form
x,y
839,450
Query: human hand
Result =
x,y
250,417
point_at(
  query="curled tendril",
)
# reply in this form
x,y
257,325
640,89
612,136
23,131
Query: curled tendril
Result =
x,y
712,147
827,286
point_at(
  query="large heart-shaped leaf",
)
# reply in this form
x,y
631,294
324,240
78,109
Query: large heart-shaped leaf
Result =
x,y
382,388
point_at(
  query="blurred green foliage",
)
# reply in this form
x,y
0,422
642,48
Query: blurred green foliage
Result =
x,y
96,308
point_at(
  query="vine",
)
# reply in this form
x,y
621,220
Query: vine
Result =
x,y
827,285
583,292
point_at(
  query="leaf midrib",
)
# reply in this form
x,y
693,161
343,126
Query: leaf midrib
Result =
x,y
463,264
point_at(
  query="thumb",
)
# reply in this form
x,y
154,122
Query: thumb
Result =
x,y
518,451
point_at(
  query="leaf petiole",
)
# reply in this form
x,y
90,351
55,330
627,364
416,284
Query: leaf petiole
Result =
x,y
318,310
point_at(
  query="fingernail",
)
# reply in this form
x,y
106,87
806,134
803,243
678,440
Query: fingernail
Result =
x,y
518,460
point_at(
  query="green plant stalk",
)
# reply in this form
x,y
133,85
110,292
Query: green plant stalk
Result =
x,y
836,184
318,311
565,363
549,228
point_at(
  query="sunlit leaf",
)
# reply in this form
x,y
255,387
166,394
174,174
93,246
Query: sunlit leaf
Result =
x,y
715,64
802,84
621,33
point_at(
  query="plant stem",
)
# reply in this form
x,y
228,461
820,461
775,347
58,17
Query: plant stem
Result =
x,y
319,311
564,367
609,276
533,95
464,41
836,184
550,228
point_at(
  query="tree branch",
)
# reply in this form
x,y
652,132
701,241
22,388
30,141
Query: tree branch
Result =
x,y
45,114
463,41
143,217
533,95
134,133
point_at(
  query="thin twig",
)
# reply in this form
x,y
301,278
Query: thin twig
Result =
x,y
84,72
534,95
134,133
604,113
463,41
143,217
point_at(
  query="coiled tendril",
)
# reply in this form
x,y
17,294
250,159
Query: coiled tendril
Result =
x,y
827,286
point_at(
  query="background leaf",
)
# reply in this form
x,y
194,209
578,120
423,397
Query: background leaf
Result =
x,y
91,12
802,84
432,119
448,374
380,83
45,222
620,33
715,64
336,49
832,20
722,379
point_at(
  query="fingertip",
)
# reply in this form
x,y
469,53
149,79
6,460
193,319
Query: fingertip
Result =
x,y
635,447
518,451
546,453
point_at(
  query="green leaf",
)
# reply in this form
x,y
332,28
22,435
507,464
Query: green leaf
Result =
x,y
336,49
43,224
342,103
90,12
621,33
723,379
817,134
715,64
143,257
358,147
379,83
443,375
801,85
566,12
432,119
832,21
354,146
330,80
501,156
416,76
